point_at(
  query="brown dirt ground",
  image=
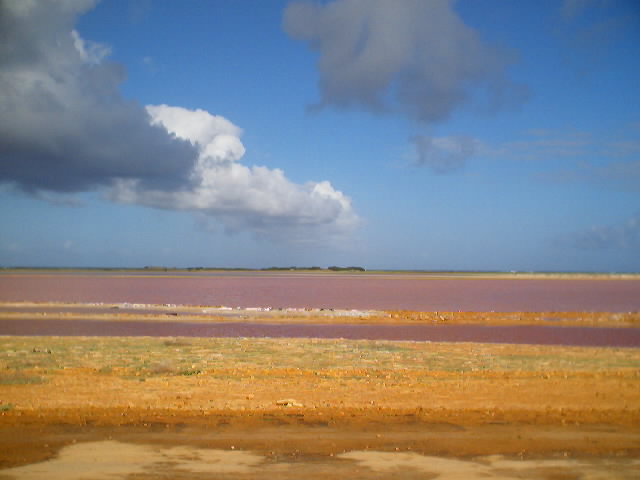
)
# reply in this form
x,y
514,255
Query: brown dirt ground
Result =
x,y
318,396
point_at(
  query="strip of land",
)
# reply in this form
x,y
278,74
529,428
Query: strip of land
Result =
x,y
297,271
220,314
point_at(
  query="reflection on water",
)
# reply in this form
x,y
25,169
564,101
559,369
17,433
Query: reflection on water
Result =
x,y
110,460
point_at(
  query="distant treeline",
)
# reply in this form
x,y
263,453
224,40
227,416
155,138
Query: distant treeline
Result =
x,y
333,268
160,268
278,269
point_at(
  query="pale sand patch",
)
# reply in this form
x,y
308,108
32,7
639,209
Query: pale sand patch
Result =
x,y
96,460
494,467
111,460
202,460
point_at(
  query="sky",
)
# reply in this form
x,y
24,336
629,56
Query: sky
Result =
x,y
404,134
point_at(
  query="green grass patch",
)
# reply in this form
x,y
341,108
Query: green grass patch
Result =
x,y
179,357
19,379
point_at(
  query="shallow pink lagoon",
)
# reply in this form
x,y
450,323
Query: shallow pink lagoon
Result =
x,y
363,291
518,334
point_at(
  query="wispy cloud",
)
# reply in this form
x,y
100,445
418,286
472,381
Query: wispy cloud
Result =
x,y
604,237
543,144
574,156
622,148
59,199
608,161
451,153
444,155
571,8
589,28
617,175
150,64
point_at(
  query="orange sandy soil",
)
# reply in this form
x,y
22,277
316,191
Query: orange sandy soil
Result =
x,y
317,397
177,313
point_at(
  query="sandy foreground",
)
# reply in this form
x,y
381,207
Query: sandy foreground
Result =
x,y
167,407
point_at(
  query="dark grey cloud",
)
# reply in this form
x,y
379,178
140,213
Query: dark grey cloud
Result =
x,y
64,127
622,236
443,155
412,56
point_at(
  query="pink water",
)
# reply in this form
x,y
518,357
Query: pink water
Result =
x,y
519,334
324,291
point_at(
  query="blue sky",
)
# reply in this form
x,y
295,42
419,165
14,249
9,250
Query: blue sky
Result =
x,y
399,134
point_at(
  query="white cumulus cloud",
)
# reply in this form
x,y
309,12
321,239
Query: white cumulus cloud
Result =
x,y
256,198
66,128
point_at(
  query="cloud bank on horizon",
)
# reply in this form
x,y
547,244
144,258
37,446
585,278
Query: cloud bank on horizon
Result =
x,y
67,129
